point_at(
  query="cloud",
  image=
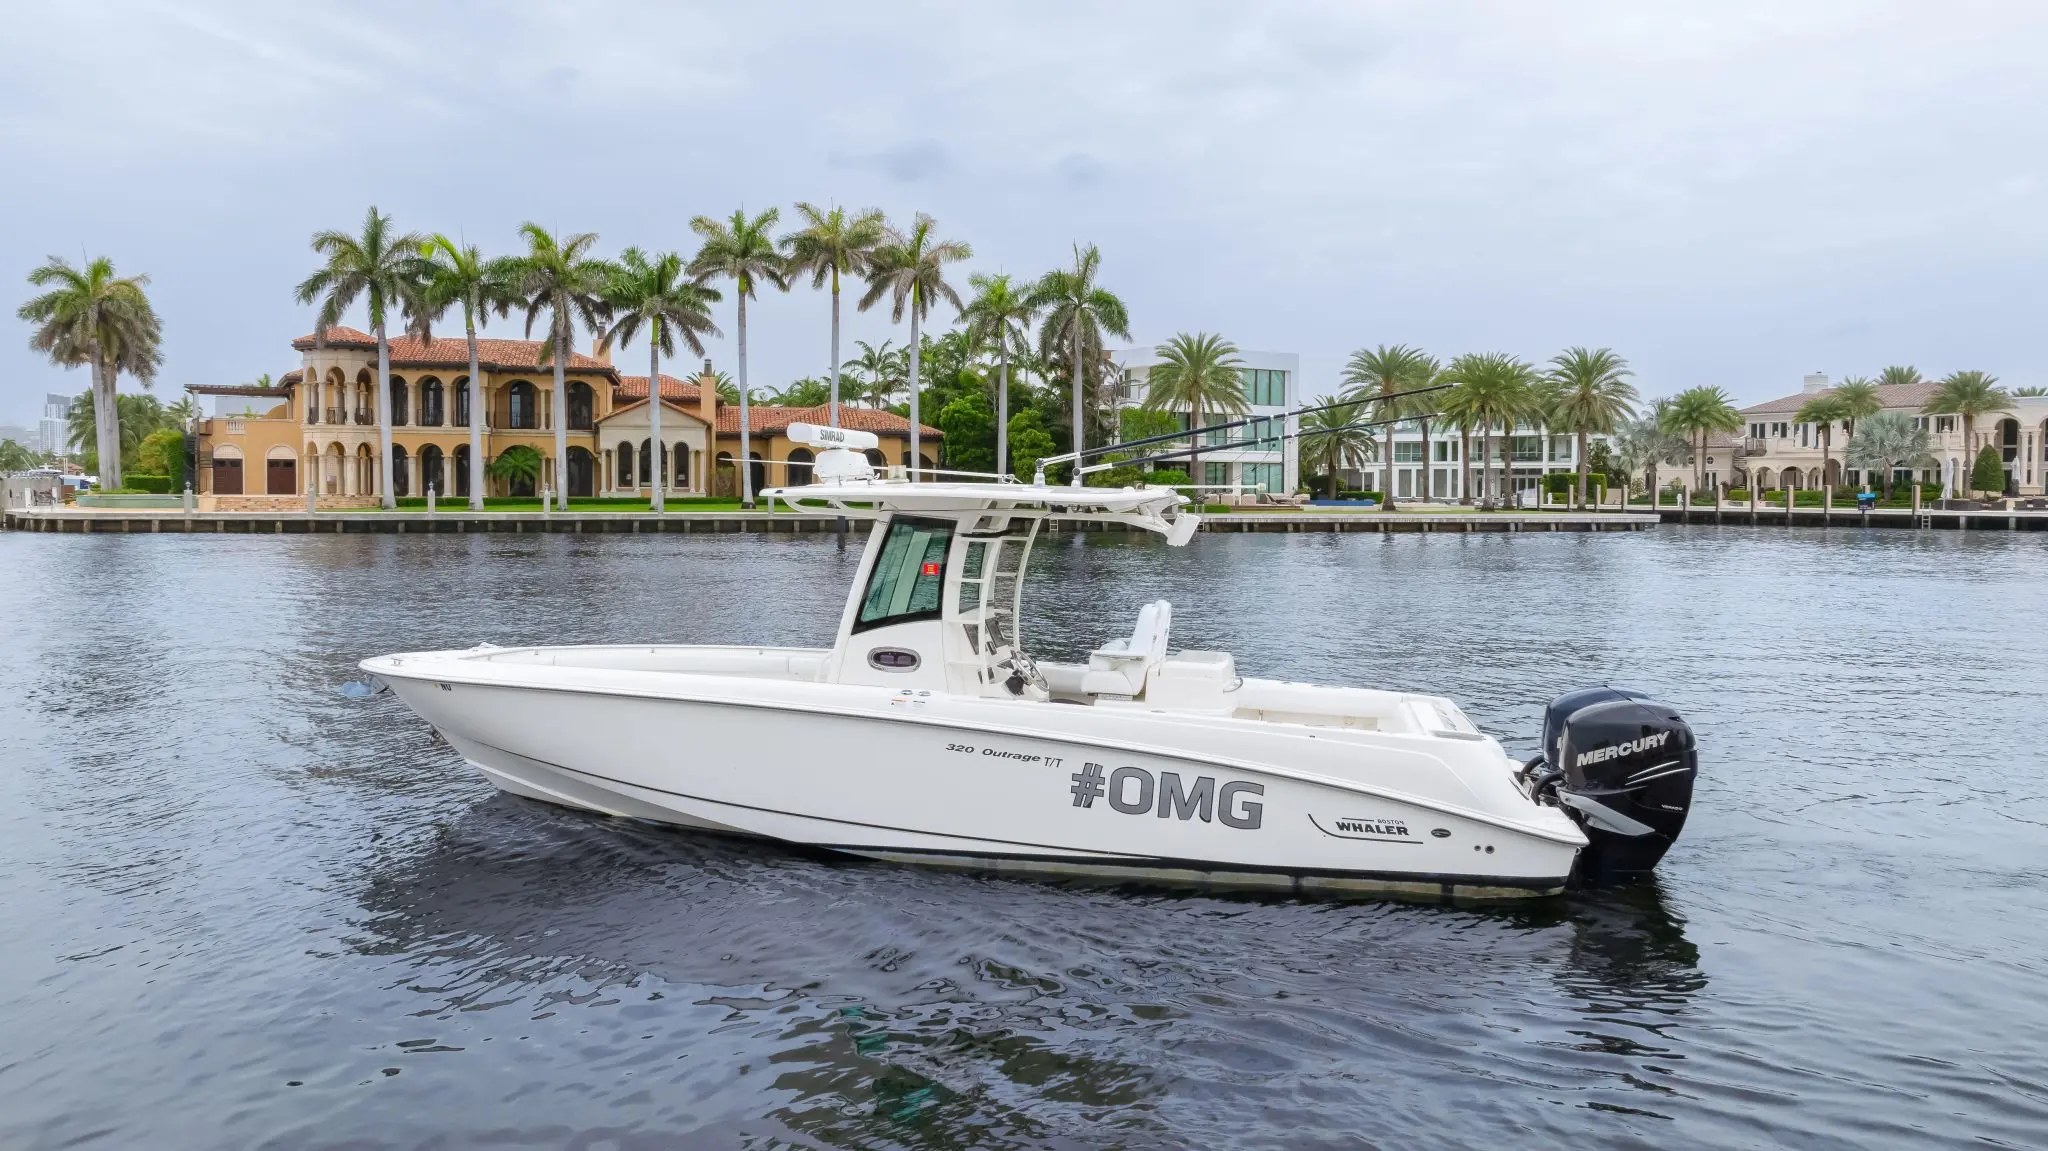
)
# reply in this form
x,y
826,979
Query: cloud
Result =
x,y
1731,194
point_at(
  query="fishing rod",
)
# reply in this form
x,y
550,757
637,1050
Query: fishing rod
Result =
x,y
1252,445
1126,445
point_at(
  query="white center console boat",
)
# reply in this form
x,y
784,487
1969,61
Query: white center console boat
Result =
x,y
926,733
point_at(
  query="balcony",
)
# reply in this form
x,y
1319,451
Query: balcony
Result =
x,y
363,417
337,415
1752,446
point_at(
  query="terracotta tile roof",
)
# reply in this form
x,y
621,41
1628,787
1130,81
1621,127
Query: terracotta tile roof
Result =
x,y
452,352
1905,397
675,391
291,378
765,418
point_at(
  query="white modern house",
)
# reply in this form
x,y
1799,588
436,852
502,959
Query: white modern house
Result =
x,y
1254,457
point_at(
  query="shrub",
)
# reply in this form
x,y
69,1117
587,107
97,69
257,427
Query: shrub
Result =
x,y
1376,497
1988,475
1565,485
1739,495
144,482
1169,477
1706,499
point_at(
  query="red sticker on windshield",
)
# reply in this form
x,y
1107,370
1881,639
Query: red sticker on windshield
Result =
x,y
931,569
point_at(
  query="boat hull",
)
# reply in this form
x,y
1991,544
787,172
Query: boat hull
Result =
x,y
1036,790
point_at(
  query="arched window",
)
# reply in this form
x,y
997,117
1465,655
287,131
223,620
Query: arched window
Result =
x,y
877,459
681,454
459,460
401,484
399,400
647,458
521,410
432,473
462,401
432,413
582,473
625,472
582,406
799,468
760,472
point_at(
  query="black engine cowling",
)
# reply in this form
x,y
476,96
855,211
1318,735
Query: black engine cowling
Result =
x,y
1623,765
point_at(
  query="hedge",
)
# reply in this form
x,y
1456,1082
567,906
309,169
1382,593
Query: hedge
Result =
x,y
1566,483
144,482
1376,497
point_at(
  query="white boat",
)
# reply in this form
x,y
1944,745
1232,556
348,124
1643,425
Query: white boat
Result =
x,y
926,734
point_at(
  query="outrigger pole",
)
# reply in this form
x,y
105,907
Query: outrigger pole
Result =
x,y
1125,445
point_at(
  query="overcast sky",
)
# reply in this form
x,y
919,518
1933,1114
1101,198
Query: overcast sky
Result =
x,y
1734,196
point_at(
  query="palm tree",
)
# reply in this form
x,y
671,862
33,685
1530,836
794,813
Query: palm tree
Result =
x,y
135,417
1967,394
515,465
1899,375
185,408
652,293
1824,411
383,267
831,243
1890,440
1200,373
741,250
1859,398
2029,390
560,277
877,371
910,267
1699,413
451,274
1077,314
93,318
1331,442
18,457
999,317
1492,388
1375,377
1590,393
1428,374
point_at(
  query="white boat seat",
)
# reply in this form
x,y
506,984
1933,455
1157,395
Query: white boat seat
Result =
x,y
1119,667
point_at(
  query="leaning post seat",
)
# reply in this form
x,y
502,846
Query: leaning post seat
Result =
x,y
1119,667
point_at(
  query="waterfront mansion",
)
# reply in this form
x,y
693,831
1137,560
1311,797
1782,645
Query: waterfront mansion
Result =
x,y
318,425
1777,452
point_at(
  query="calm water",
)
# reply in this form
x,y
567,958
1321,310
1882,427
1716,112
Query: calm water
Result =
x,y
240,910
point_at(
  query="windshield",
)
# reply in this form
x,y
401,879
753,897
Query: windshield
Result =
x,y
908,575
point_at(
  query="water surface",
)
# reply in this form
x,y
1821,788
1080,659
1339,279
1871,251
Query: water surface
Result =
x,y
241,910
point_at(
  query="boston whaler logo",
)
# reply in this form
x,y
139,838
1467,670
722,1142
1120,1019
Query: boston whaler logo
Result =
x,y
1631,747
1377,827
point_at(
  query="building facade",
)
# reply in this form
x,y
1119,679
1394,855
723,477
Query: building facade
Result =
x,y
318,428
1259,456
51,431
1776,451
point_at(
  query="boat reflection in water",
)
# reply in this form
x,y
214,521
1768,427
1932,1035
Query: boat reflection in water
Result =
x,y
884,1000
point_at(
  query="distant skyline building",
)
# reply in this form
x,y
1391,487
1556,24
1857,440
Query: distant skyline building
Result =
x,y
50,429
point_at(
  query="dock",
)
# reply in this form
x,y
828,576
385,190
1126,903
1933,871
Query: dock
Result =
x,y
173,520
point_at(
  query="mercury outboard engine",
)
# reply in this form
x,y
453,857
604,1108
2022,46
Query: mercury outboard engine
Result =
x,y
1623,765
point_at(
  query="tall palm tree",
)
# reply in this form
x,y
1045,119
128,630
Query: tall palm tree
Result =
x,y
1824,411
1899,375
1455,405
1890,440
742,250
876,371
1648,441
1330,441
1968,394
831,243
1424,408
910,268
999,317
653,293
1375,377
1202,374
1077,314
1859,398
1699,413
381,266
1493,388
1589,393
451,274
90,317
560,277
